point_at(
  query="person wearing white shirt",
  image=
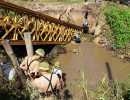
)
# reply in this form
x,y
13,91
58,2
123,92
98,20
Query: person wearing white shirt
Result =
x,y
77,38
56,70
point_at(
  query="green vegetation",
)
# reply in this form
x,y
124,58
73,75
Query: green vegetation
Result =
x,y
3,13
118,19
9,91
106,90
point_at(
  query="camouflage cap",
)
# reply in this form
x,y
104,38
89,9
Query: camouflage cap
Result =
x,y
44,66
40,52
57,64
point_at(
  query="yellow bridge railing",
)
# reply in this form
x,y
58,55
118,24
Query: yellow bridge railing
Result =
x,y
15,20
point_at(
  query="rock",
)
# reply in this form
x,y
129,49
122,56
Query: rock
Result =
x,y
91,31
120,56
97,39
128,53
84,39
58,49
92,21
8,71
97,30
75,51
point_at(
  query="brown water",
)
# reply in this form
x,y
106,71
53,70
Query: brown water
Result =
x,y
95,61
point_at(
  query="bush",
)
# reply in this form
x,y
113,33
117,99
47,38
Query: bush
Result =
x,y
117,18
9,91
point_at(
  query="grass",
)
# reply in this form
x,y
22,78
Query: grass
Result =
x,y
117,18
111,90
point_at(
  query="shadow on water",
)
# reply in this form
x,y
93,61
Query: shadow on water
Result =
x,y
111,79
64,79
109,71
66,92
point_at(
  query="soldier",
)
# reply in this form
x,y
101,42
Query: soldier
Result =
x,y
30,64
56,70
47,83
30,67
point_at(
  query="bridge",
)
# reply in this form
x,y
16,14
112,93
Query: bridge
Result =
x,y
44,29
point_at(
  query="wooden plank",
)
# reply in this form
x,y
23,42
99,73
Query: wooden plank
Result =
x,y
28,42
10,52
15,63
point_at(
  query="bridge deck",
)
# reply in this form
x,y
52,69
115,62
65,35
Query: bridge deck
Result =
x,y
21,42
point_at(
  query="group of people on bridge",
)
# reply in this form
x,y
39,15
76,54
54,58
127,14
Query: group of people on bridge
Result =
x,y
44,81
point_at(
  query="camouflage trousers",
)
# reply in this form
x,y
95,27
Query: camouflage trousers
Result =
x,y
34,93
52,97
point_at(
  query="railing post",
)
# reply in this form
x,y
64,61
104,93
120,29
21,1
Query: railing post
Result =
x,y
28,43
14,60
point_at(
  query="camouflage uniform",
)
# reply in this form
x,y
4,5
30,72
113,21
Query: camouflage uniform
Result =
x,y
48,97
34,93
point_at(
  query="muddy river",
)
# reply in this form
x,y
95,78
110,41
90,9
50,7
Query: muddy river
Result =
x,y
96,62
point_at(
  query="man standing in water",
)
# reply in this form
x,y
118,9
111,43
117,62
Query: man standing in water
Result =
x,y
30,67
56,70
85,27
47,83
30,64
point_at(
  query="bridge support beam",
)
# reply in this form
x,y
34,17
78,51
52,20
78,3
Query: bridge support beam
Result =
x,y
28,42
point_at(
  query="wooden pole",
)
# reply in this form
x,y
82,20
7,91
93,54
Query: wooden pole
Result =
x,y
1,71
14,60
10,52
28,42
